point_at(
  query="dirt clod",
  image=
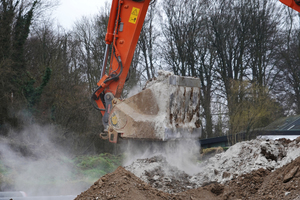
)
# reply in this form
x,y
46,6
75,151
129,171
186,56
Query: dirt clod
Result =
x,y
290,174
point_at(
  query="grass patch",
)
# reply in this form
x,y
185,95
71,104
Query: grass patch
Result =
x,y
3,169
93,167
210,152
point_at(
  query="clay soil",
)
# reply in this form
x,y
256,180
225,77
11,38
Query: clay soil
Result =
x,y
283,183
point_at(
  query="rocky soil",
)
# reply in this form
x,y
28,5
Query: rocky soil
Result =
x,y
257,169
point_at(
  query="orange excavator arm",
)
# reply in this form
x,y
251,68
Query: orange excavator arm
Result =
x,y
294,4
123,30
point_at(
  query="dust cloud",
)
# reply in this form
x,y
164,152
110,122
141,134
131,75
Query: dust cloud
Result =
x,y
133,91
182,154
39,165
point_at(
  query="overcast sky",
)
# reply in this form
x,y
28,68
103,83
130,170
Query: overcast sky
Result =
x,y
71,10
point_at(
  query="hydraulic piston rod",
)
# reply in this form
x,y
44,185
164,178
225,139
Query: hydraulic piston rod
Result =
x,y
104,61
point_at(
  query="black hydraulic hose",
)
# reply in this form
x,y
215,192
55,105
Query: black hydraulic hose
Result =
x,y
109,79
93,100
152,1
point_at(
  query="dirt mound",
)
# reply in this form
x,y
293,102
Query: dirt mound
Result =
x,y
121,184
263,184
283,183
257,169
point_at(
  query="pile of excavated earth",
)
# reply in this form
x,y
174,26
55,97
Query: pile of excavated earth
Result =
x,y
256,169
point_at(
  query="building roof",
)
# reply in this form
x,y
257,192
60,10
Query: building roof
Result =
x,y
291,123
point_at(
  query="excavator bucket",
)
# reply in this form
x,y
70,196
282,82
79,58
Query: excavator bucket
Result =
x,y
168,108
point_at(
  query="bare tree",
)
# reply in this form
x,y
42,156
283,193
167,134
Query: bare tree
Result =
x,y
288,62
244,35
264,41
186,48
148,41
65,99
89,40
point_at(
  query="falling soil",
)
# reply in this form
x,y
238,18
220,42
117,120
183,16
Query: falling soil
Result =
x,y
266,183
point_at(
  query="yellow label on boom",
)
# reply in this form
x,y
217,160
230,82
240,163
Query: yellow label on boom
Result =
x,y
134,15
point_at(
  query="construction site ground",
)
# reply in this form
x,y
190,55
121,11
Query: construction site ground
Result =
x,y
256,169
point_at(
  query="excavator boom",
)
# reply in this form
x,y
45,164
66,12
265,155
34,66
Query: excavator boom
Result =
x,y
123,30
294,4
168,108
